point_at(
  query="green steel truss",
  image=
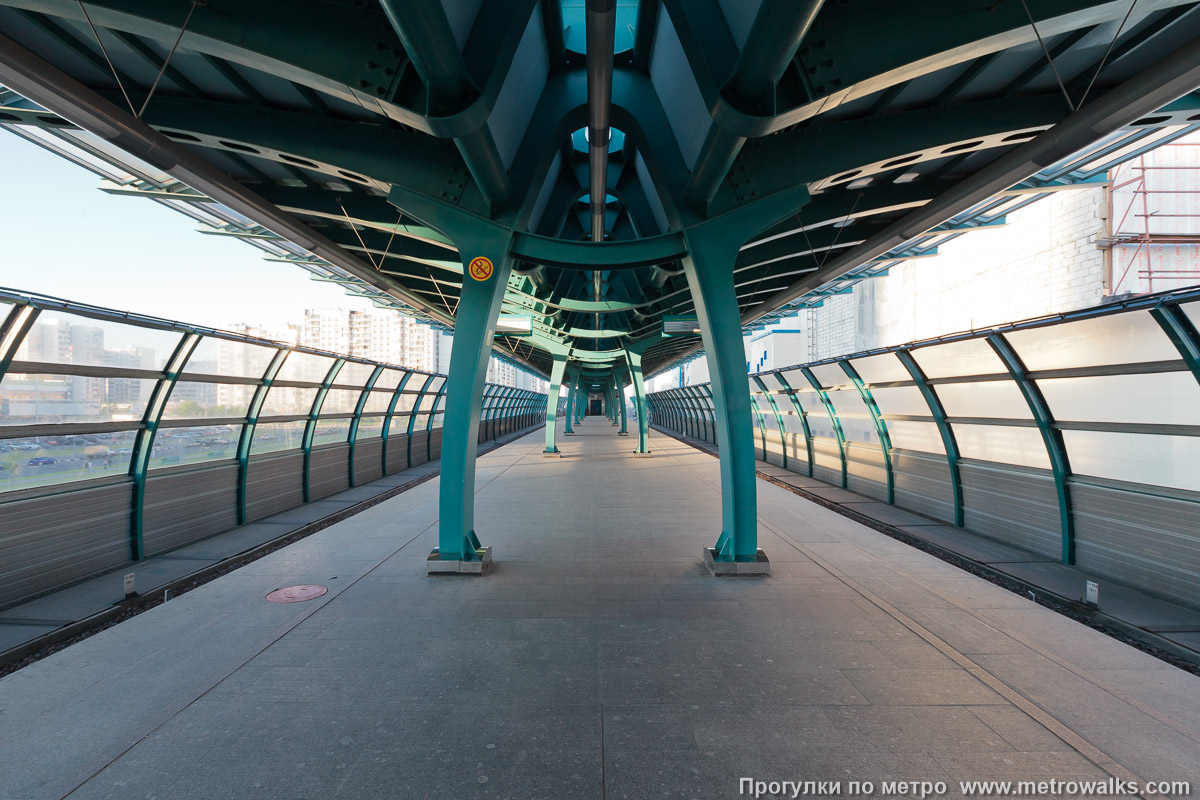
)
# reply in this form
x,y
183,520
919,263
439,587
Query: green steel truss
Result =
x,y
753,163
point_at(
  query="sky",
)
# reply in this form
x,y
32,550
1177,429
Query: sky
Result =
x,y
60,235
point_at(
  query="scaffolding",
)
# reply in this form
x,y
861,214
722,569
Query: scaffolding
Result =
x,y
1154,218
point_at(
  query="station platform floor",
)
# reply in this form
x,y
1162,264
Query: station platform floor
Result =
x,y
597,660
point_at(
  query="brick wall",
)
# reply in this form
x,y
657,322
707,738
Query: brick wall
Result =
x,y
1045,260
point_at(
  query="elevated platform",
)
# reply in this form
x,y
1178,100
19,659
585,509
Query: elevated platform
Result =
x,y
597,659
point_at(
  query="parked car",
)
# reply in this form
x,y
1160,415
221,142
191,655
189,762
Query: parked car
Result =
x,y
41,461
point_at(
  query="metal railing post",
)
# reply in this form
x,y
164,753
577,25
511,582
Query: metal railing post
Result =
x,y
885,441
143,444
387,419
833,419
354,423
949,442
247,438
311,426
1056,449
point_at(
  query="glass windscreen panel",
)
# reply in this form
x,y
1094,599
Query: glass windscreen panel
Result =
x,y
33,461
1003,444
994,399
378,402
176,446
1192,311
905,401
1170,461
286,401
229,358
58,338
32,399
771,381
958,359
354,373
329,431
304,367
883,368
831,375
427,401
921,436
819,424
398,426
340,401
200,400
370,428
1127,338
1170,398
854,417
272,437
388,380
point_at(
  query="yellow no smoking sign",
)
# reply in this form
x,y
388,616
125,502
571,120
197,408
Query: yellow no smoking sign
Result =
x,y
480,268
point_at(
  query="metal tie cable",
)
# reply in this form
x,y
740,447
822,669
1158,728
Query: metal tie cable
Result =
x,y
1049,60
104,50
163,69
358,236
1111,44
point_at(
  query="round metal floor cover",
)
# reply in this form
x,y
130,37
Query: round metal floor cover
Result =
x,y
296,594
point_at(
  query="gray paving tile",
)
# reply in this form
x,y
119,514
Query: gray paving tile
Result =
x,y
626,673
908,687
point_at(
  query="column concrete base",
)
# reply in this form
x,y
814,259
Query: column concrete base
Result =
x,y
622,433
721,569
647,454
556,454
479,565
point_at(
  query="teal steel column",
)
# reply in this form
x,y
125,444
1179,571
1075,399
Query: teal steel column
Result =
x,y
581,399
618,396
1060,466
949,443
778,419
475,328
833,418
624,431
569,411
18,323
709,270
247,437
412,417
433,410
387,419
144,443
556,376
1182,333
311,427
358,410
803,415
881,431
634,360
